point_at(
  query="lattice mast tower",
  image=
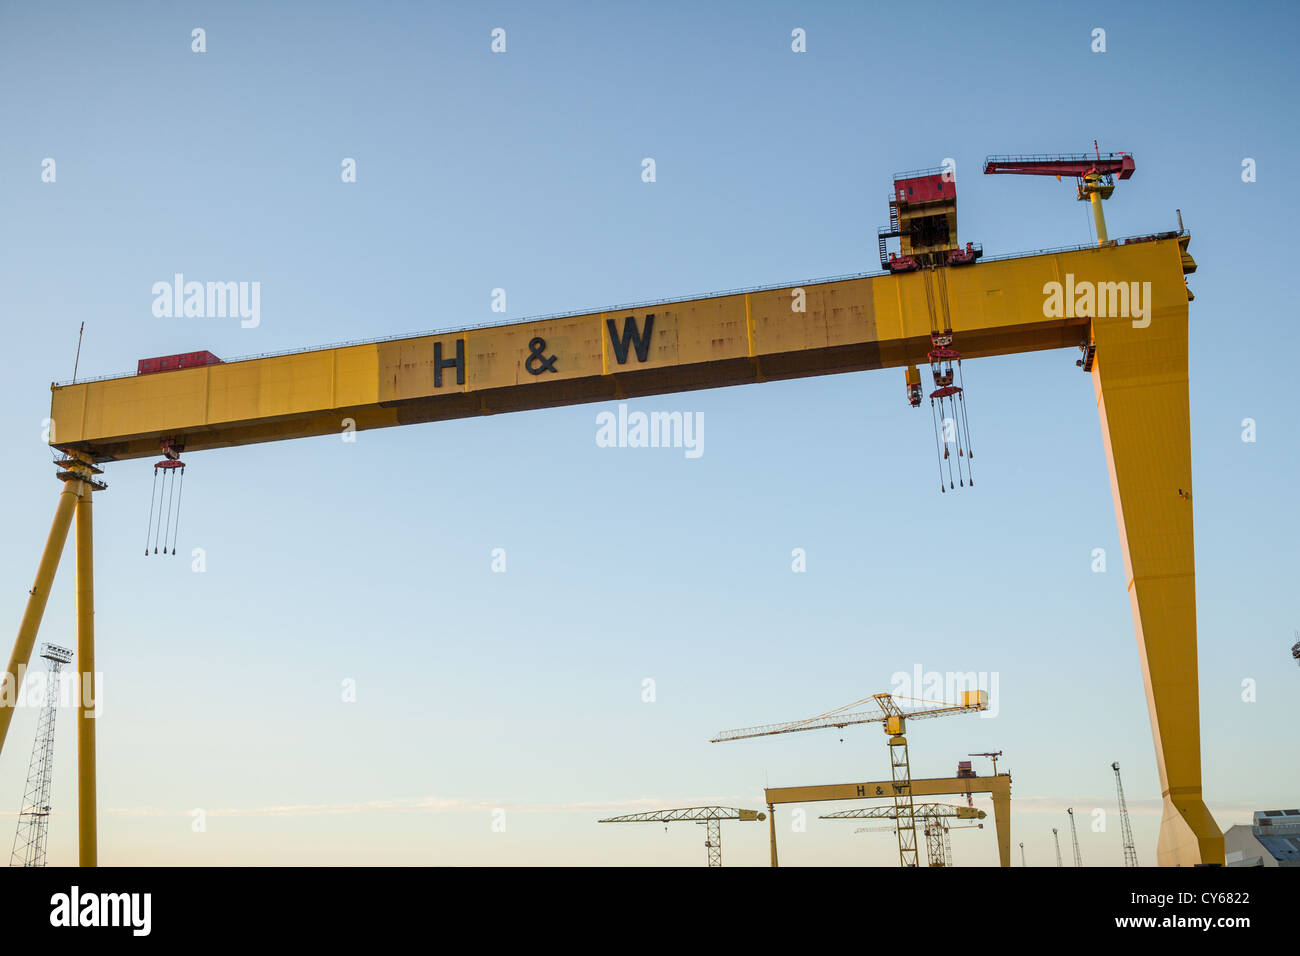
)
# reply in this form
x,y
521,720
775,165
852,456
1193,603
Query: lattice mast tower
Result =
x,y
1125,825
34,816
1074,838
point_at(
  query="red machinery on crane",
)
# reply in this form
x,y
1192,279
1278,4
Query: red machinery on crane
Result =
x,y
923,217
1094,174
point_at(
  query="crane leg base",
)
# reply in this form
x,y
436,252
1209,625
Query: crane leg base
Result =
x,y
1188,834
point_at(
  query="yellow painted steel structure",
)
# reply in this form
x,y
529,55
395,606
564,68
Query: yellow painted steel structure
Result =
x,y
999,787
996,308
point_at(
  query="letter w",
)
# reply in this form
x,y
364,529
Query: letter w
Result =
x,y
631,334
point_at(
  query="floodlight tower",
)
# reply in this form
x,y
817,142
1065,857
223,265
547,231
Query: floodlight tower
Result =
x,y
1126,826
34,817
1074,836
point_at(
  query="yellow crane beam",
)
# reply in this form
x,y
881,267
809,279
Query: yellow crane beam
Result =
x,y
820,328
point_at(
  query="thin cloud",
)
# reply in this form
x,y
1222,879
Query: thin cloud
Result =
x,y
427,805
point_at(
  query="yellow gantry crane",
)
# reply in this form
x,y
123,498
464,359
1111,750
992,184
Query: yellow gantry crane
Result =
x,y
710,817
934,817
883,709
1136,356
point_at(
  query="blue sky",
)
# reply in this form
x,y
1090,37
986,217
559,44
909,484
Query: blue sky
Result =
x,y
371,561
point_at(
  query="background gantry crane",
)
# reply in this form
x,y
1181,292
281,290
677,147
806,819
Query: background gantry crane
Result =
x,y
34,817
883,709
710,817
1125,825
1057,840
1022,853
934,820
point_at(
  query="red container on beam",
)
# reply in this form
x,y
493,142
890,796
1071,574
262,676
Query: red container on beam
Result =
x,y
169,363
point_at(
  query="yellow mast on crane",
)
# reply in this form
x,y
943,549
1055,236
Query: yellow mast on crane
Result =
x,y
710,817
882,709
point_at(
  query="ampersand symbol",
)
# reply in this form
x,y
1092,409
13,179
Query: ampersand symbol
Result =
x,y
537,357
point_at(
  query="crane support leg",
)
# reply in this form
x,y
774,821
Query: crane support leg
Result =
x,y
38,596
1140,378
1002,821
771,830
87,831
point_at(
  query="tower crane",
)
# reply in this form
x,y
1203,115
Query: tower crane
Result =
x,y
934,818
993,756
1022,854
1095,175
1057,840
709,817
883,709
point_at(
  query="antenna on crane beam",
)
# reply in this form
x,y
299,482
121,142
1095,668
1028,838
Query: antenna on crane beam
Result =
x,y
77,364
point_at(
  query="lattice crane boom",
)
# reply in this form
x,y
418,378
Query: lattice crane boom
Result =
x,y
883,707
